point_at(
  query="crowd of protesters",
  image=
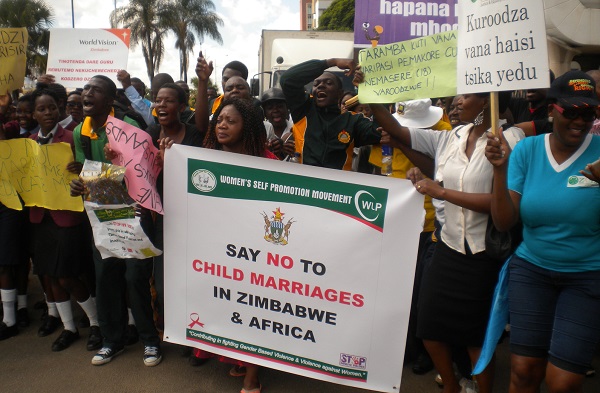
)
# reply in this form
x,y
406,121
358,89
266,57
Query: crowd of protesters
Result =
x,y
529,173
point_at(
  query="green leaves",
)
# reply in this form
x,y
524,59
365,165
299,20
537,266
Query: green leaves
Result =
x,y
37,17
151,20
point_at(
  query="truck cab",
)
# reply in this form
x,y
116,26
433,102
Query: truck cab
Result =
x,y
281,49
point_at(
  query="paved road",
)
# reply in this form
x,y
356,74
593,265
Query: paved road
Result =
x,y
28,365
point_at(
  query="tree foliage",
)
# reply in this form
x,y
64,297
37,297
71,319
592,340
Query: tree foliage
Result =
x,y
194,89
191,21
148,21
339,16
151,20
210,83
37,17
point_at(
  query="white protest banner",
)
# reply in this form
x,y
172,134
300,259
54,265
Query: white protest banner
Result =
x,y
409,70
76,55
136,152
297,268
501,46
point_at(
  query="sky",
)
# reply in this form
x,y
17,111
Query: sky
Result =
x,y
243,21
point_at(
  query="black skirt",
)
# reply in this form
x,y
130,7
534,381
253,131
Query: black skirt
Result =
x,y
456,297
61,251
13,236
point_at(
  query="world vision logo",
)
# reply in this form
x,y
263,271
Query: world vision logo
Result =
x,y
581,85
276,231
344,137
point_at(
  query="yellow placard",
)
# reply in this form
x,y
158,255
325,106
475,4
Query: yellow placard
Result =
x,y
13,56
420,68
38,174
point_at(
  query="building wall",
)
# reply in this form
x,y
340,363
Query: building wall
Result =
x,y
306,14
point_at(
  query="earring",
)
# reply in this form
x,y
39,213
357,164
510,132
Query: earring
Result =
x,y
479,119
550,119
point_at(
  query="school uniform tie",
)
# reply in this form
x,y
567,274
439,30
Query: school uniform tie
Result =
x,y
43,140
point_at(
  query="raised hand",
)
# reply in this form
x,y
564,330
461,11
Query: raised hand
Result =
x,y
204,69
124,77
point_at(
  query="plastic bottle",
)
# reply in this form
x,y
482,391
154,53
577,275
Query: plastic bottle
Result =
x,y
386,160
295,158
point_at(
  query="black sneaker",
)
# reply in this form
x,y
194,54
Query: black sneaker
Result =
x,y
152,355
105,355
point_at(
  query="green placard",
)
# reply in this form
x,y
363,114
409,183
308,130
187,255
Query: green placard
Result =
x,y
421,68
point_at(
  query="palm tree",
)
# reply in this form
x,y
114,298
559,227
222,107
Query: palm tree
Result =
x,y
37,17
148,22
192,20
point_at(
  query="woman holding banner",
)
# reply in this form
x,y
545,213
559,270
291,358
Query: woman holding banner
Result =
x,y
456,292
554,281
237,127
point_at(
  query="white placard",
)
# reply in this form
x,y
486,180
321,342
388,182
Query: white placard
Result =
x,y
298,268
501,46
76,55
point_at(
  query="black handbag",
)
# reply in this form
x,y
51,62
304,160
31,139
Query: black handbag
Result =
x,y
500,245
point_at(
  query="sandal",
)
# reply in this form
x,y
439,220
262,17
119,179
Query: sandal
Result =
x,y
255,390
237,371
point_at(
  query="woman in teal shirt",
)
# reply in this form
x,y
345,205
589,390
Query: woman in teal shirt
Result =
x,y
554,282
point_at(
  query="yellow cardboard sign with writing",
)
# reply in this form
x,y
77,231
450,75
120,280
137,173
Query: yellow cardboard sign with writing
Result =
x,y
420,68
13,56
38,174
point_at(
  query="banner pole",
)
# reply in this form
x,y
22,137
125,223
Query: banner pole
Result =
x,y
494,111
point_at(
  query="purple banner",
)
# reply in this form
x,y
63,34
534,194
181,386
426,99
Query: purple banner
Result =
x,y
381,22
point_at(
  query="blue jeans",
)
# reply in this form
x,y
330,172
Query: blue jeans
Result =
x,y
554,314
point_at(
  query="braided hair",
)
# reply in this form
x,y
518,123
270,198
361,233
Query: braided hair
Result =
x,y
254,134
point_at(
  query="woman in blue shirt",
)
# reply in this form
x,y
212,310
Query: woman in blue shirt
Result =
x,y
554,284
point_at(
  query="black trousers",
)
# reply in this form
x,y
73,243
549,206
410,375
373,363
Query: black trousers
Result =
x,y
114,278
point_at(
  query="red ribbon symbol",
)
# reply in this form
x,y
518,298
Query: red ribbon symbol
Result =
x,y
195,321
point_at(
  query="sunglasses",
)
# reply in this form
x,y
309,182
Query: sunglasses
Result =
x,y
587,114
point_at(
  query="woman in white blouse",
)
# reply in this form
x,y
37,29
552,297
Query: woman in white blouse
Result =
x,y
457,290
